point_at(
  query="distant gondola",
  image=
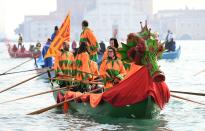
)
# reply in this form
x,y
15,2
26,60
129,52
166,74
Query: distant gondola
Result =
x,y
15,53
172,54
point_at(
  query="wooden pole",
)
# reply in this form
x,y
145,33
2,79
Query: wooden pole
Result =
x,y
16,66
199,72
24,81
19,72
41,93
190,93
74,80
179,97
91,74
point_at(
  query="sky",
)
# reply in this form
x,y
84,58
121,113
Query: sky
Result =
x,y
11,15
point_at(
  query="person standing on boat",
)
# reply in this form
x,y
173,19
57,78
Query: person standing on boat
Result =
x,y
169,42
88,36
82,67
63,65
20,41
54,33
112,69
48,62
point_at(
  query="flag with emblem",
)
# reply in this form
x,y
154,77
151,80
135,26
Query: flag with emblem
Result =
x,y
62,35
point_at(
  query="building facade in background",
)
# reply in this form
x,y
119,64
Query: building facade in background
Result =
x,y
40,27
114,18
117,18
185,24
104,17
37,28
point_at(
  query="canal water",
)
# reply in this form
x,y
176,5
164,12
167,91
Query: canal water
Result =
x,y
178,115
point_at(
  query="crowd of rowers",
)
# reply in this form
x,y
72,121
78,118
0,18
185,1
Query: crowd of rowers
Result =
x,y
83,64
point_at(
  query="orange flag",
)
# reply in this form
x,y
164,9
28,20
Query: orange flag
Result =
x,y
62,35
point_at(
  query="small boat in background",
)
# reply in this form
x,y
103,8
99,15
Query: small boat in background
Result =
x,y
172,54
21,53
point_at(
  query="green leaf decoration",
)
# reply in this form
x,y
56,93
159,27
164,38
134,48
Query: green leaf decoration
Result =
x,y
112,72
128,60
151,42
79,63
121,50
125,47
123,54
83,39
126,65
152,35
145,33
131,44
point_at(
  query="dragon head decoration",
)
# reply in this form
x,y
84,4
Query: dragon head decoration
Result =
x,y
144,48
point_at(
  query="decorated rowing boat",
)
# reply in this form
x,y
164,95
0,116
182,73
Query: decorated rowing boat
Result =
x,y
138,96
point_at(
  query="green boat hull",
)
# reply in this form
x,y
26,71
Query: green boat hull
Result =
x,y
146,109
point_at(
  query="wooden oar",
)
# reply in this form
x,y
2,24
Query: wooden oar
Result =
x,y
179,97
61,103
19,72
45,92
24,81
68,76
74,80
16,66
49,76
199,72
91,74
190,93
97,80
